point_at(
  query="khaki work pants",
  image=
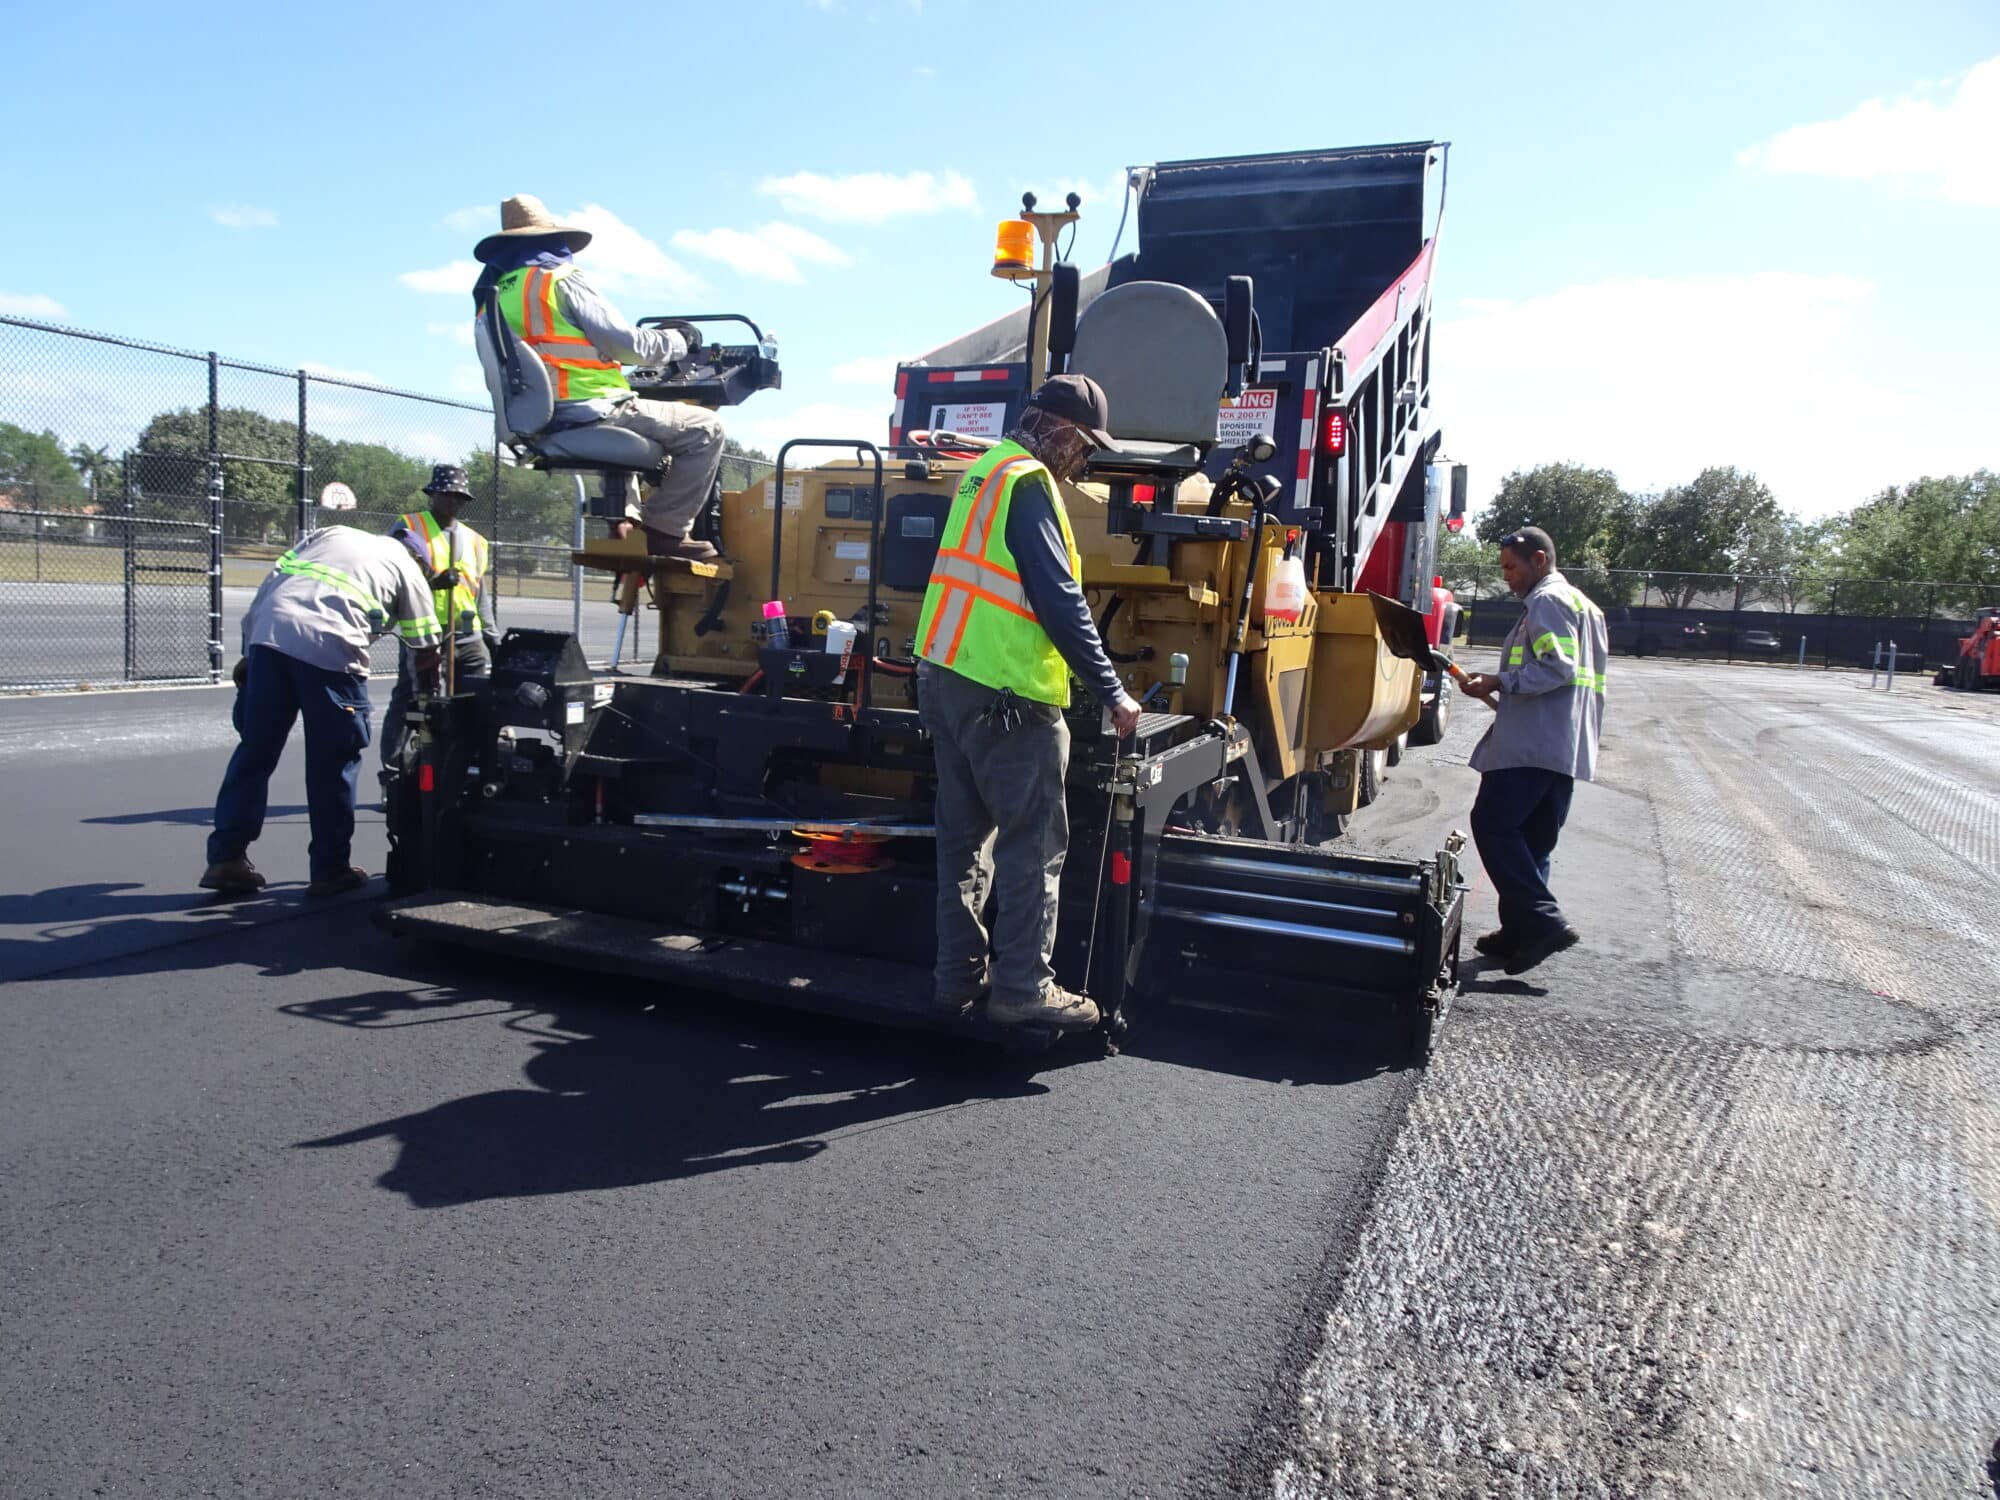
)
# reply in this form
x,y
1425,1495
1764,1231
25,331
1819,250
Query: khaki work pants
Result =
x,y
692,436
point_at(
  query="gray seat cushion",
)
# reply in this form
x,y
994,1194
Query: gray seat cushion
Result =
x,y
1149,457
599,443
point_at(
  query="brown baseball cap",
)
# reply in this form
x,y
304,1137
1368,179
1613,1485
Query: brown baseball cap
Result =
x,y
1078,399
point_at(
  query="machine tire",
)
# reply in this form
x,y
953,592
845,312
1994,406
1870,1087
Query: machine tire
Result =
x,y
1371,775
1435,719
1402,743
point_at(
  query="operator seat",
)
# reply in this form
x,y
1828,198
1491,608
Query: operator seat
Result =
x,y
524,403
1160,354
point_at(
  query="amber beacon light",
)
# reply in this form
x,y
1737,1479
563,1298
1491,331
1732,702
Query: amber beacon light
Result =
x,y
1013,247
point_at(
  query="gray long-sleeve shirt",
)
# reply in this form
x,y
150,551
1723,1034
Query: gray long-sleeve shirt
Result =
x,y
609,334
1552,663
1034,536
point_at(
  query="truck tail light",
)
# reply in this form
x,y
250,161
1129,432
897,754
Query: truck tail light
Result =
x,y
1333,434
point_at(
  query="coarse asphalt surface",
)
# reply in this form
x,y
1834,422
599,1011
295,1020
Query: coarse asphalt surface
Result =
x,y
1706,1206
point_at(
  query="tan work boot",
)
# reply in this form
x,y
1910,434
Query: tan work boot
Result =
x,y
1056,1007
233,877
686,548
350,879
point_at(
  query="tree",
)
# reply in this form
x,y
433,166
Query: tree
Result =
x,y
1586,513
1723,522
1930,531
259,497
96,468
36,472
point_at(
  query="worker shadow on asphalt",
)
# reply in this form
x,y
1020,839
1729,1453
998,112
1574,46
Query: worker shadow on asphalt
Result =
x,y
623,1094
101,921
1318,1057
194,817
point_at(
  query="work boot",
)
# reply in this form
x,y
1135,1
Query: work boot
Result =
x,y
958,1004
232,877
350,879
1535,949
1499,943
1055,1007
686,548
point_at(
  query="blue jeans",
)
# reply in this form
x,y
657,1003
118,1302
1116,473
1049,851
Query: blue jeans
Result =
x,y
277,690
1515,821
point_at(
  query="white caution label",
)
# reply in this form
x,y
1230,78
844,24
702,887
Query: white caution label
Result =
x,y
795,492
851,551
987,419
1252,414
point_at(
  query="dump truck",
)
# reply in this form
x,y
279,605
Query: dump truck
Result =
x,y
753,816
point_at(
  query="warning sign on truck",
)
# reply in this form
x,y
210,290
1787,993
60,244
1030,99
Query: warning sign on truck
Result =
x,y
985,419
1251,414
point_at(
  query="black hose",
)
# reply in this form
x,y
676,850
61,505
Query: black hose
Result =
x,y
1123,658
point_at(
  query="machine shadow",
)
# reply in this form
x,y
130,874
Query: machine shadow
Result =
x,y
622,1090
192,817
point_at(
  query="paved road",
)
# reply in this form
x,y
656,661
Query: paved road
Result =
x,y
63,633
291,1208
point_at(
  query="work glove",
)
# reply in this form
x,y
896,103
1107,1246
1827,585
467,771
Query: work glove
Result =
x,y
448,579
690,335
240,673
492,646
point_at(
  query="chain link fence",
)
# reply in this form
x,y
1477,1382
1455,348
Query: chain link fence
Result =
x,y
1811,621
145,492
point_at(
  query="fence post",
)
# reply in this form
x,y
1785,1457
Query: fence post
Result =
x,y
303,523
1832,609
1645,595
131,571
1735,614
576,568
1875,664
214,517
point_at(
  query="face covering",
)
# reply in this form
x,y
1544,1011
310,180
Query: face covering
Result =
x,y
1058,444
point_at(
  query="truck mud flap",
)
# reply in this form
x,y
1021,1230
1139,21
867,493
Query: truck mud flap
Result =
x,y
1308,938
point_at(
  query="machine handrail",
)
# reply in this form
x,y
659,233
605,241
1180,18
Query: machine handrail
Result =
x,y
777,480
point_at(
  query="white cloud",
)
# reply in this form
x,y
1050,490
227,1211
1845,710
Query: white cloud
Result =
x,y
772,253
620,259
334,372
460,333
243,216
31,305
1633,375
468,220
869,197
870,370
1944,138
456,277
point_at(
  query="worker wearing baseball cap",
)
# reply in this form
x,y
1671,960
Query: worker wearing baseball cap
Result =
x,y
1004,625
458,561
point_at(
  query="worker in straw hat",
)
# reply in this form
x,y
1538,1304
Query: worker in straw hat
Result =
x,y
532,276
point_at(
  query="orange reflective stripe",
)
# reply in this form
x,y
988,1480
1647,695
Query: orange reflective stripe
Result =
x,y
563,360
559,338
989,496
979,562
529,284
947,597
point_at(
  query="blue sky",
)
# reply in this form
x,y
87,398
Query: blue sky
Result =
x,y
1751,233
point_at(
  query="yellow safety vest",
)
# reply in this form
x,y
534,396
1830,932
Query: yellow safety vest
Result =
x,y
976,618
527,299
473,559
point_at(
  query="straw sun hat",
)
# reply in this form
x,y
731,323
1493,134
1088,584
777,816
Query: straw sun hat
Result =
x,y
523,216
